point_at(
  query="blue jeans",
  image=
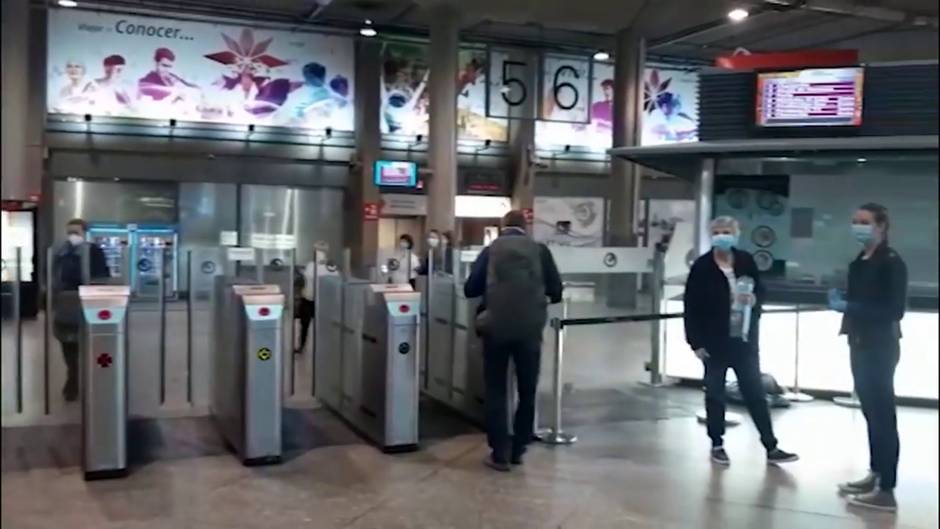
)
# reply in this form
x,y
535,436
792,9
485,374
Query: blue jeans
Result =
x,y
873,371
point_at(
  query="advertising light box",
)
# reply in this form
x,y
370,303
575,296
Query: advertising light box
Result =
x,y
106,64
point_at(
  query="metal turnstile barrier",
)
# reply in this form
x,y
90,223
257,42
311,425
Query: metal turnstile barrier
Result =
x,y
246,396
367,358
104,380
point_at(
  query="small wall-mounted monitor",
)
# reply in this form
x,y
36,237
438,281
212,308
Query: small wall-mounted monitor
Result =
x,y
818,97
390,173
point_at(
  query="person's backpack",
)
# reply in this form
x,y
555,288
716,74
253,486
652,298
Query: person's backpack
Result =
x,y
516,307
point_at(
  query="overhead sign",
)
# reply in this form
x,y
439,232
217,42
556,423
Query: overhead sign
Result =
x,y
405,100
810,98
401,205
566,89
106,64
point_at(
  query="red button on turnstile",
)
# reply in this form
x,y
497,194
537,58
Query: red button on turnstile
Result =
x,y
404,309
264,311
104,314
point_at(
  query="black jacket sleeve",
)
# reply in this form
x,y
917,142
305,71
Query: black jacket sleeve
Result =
x,y
476,283
894,307
553,286
692,307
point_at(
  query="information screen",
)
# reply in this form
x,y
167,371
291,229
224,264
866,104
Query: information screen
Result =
x,y
825,97
396,174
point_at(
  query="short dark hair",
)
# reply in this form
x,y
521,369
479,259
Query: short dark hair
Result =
x,y
113,60
77,222
514,219
163,53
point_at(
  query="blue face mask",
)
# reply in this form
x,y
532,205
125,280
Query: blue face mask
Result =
x,y
863,233
724,241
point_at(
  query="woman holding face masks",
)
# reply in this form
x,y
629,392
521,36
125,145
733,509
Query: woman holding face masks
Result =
x,y
721,337
872,310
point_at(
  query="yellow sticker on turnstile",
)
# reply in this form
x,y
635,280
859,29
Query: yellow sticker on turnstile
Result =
x,y
264,354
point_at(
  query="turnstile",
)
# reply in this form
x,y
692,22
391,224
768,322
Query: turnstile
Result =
x,y
104,380
367,358
246,376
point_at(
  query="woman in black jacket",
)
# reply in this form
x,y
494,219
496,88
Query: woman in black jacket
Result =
x,y
708,299
873,308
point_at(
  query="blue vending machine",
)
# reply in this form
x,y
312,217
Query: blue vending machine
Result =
x,y
148,242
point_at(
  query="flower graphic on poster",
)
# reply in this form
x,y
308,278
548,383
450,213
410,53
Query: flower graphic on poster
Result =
x,y
673,124
249,69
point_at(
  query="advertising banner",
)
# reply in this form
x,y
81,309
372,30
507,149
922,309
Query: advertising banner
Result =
x,y
405,98
670,111
107,64
569,221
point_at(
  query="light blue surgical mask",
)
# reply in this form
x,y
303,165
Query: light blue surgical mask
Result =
x,y
724,241
863,233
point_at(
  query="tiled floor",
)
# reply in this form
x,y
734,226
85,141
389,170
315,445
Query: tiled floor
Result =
x,y
633,468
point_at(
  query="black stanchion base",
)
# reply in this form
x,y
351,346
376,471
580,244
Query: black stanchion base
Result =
x,y
261,461
114,473
400,449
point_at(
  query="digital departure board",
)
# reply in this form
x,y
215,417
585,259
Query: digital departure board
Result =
x,y
824,97
396,174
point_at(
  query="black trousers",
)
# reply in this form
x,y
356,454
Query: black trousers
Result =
x,y
741,357
70,355
873,371
305,310
526,357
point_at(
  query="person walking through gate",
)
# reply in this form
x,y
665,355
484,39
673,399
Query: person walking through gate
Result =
x,y
516,278
710,293
67,317
872,310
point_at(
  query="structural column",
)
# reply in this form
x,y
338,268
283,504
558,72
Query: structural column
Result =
x,y
624,183
17,180
442,129
362,235
522,138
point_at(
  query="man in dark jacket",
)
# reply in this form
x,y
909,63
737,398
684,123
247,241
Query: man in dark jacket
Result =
x,y
69,274
710,294
514,275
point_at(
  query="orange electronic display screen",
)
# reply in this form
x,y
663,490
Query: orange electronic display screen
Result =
x,y
820,97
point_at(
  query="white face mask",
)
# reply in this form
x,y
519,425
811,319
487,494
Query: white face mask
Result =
x,y
433,242
75,239
404,245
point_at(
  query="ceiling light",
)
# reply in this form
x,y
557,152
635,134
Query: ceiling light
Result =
x,y
367,30
601,56
68,3
737,15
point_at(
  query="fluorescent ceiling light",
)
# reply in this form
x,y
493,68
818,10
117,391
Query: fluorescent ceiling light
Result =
x,y
601,56
68,3
367,30
737,15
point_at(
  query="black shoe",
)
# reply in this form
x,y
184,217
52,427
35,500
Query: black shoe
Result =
x,y
496,464
720,457
862,486
777,456
879,500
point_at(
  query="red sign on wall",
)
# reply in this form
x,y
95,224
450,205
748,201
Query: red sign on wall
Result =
x,y
371,210
788,59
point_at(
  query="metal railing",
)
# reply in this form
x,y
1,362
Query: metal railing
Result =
x,y
555,433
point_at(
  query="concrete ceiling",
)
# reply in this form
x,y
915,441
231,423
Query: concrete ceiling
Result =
x,y
696,29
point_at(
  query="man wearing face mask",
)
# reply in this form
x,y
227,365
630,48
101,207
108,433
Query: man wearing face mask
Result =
x,y
68,275
711,296
872,311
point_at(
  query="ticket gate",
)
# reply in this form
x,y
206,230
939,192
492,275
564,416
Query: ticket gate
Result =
x,y
367,357
104,380
246,360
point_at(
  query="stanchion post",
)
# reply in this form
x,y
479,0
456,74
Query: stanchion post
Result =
x,y
654,366
557,436
796,395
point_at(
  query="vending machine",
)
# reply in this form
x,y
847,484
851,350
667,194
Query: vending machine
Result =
x,y
151,245
114,241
